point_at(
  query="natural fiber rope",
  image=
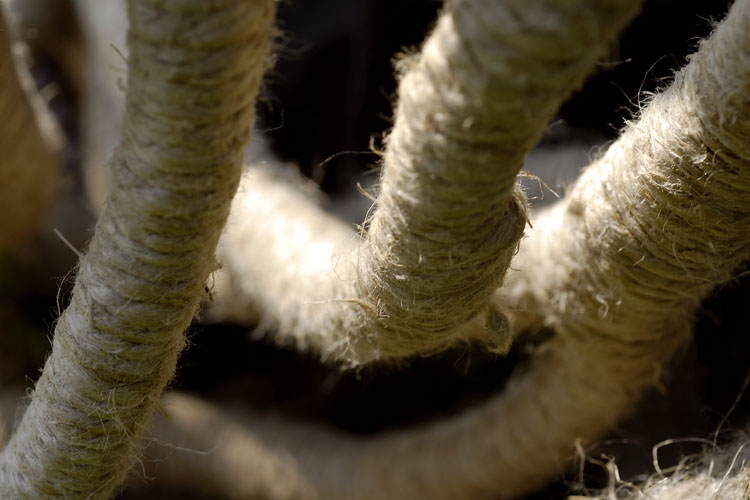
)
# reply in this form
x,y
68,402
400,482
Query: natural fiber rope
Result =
x,y
194,71
618,269
448,217
29,146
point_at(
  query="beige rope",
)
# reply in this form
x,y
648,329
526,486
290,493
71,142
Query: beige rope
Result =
x,y
448,217
194,71
618,269
29,145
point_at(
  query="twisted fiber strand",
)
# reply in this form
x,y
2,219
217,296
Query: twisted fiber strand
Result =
x,y
718,473
194,71
29,146
721,475
617,269
448,217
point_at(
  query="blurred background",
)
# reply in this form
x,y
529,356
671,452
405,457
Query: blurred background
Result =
x,y
327,101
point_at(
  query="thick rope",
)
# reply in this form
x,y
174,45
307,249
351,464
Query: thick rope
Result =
x,y
194,71
29,146
618,269
449,215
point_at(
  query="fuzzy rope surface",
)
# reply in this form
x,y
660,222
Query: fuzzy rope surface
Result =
x,y
194,71
724,475
448,217
29,146
618,269
717,474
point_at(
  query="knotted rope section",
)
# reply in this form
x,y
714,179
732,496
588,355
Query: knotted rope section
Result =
x,y
194,71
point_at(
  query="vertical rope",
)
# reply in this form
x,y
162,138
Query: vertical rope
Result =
x,y
194,71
